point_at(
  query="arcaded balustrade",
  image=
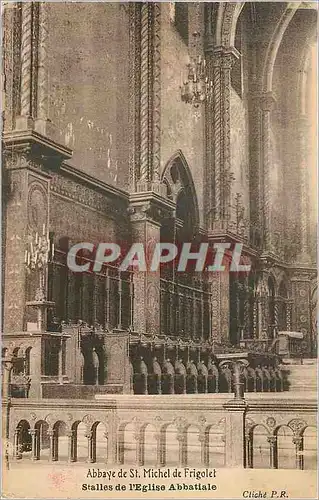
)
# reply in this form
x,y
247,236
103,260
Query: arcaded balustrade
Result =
x,y
280,431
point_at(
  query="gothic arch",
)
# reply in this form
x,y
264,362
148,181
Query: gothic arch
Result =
x,y
304,70
227,16
274,45
177,178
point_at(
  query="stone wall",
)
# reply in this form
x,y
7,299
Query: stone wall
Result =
x,y
181,124
88,85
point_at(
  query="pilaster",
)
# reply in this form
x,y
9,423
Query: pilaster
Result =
x,y
147,209
117,348
235,431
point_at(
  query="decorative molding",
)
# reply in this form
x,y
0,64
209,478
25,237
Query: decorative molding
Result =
x,y
45,150
87,196
150,92
26,58
42,80
12,60
134,89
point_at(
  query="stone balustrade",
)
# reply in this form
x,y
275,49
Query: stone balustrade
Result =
x,y
271,431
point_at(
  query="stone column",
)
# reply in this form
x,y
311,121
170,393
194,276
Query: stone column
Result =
x,y
16,445
238,384
204,449
7,365
235,443
162,450
91,447
53,445
298,442
139,449
42,124
25,121
262,307
266,103
71,435
149,89
182,441
120,451
272,440
219,306
249,452
158,449
35,437
218,168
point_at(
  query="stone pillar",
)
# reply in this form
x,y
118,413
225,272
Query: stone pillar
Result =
x,y
235,426
42,124
158,449
182,441
262,307
219,313
112,440
7,365
147,210
34,436
16,445
118,363
53,445
120,450
272,440
91,447
298,442
266,103
139,449
25,121
249,451
162,450
218,168
204,449
149,90
36,367
238,383
72,445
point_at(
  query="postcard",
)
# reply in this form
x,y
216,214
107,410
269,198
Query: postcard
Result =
x,y
159,214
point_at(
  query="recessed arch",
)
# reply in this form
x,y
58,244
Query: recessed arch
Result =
x,y
178,179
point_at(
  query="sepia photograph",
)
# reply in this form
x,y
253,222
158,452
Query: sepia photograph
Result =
x,y
159,249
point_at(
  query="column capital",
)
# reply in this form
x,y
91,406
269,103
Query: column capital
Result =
x,y
297,440
223,55
272,440
150,205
